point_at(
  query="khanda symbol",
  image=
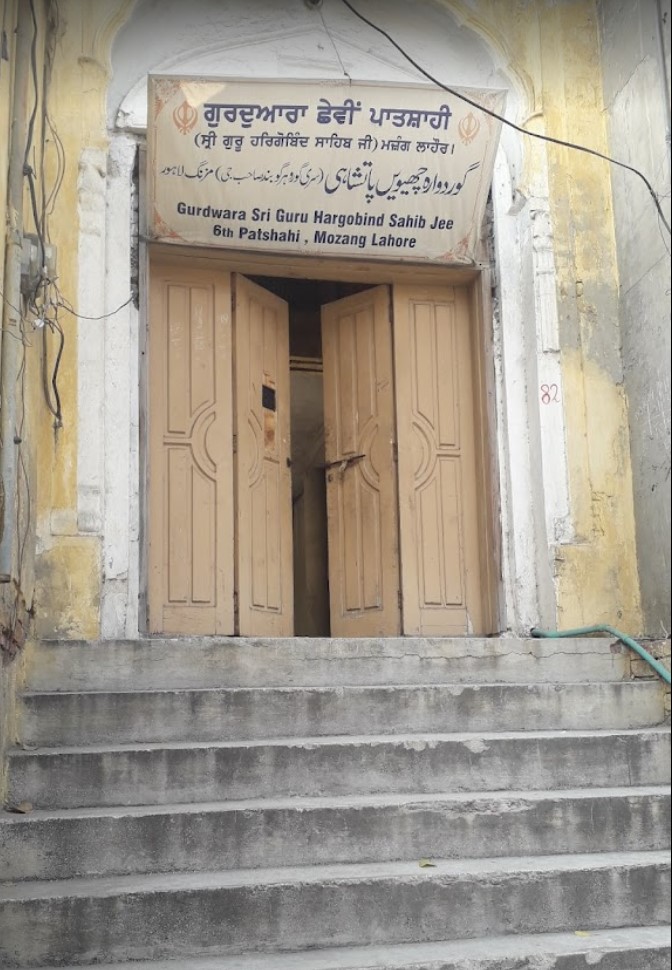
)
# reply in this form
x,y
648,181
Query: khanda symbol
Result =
x,y
468,128
185,117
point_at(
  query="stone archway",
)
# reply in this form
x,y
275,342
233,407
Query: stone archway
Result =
x,y
281,40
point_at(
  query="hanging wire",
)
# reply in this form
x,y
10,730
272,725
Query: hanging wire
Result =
x,y
511,124
333,44
24,502
11,306
66,305
60,169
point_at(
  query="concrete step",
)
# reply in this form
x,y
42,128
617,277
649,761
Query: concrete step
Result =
x,y
628,948
176,915
163,774
240,662
288,832
220,714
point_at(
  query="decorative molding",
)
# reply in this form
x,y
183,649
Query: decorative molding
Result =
x,y
104,34
522,80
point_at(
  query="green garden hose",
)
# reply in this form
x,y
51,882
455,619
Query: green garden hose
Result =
x,y
623,637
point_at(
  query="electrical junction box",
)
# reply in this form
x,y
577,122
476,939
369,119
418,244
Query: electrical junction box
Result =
x,y
32,266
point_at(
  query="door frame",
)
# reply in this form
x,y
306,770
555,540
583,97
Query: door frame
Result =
x,y
476,280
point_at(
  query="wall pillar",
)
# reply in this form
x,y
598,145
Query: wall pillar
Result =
x,y
119,602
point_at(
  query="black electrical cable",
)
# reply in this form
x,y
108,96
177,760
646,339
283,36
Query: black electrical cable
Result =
x,y
103,316
48,201
58,413
43,149
511,124
33,65
28,170
21,376
41,223
60,168
29,515
18,440
55,410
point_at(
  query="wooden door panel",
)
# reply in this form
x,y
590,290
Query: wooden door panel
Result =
x,y
264,490
438,511
361,477
190,552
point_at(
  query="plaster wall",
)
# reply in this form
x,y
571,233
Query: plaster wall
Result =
x,y
21,396
7,219
263,41
70,532
636,71
567,524
6,91
10,674
7,669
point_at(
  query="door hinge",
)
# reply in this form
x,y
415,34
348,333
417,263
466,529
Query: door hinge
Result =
x,y
399,599
395,451
235,443
235,602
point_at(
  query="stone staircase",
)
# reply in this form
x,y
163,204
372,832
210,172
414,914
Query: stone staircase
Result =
x,y
338,804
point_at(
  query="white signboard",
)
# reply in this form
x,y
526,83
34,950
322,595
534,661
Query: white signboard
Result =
x,y
320,168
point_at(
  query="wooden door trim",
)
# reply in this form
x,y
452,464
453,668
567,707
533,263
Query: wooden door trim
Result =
x,y
268,452
477,280
487,466
163,617
373,272
465,300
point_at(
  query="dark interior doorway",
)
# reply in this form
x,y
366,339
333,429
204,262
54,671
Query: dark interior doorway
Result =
x,y
309,509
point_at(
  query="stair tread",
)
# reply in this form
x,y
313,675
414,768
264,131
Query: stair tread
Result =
x,y
320,874
340,802
157,661
406,643
342,739
405,956
457,688
224,675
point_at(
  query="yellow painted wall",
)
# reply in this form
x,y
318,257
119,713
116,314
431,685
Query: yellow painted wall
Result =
x,y
6,99
21,343
6,91
552,53
597,576
22,346
69,564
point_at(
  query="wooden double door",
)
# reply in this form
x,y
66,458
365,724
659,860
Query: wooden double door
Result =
x,y
404,551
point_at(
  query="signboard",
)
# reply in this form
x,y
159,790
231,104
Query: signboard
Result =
x,y
322,168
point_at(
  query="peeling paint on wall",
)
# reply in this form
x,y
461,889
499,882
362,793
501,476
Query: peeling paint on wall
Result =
x,y
571,558
68,578
597,575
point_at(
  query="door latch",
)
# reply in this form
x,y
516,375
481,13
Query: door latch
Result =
x,y
342,463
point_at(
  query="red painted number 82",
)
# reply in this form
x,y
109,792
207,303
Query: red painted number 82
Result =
x,y
549,393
